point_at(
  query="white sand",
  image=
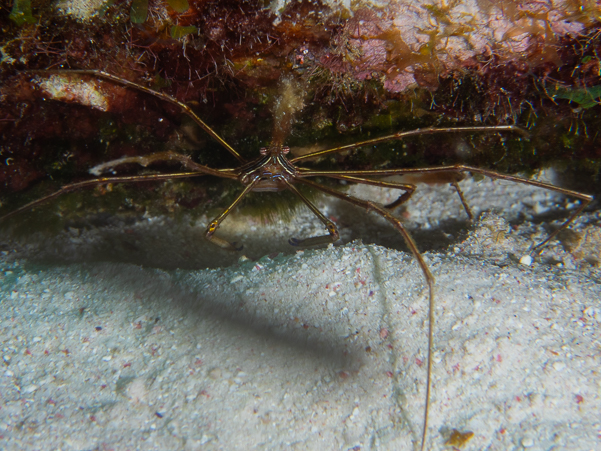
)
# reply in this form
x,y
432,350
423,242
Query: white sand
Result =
x,y
107,346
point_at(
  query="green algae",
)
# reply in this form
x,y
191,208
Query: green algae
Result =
x,y
21,13
138,11
179,6
584,97
178,32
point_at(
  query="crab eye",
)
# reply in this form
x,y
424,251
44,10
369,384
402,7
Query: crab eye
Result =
x,y
285,150
263,150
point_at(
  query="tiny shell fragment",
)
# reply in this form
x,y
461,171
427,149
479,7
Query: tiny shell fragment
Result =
x,y
459,439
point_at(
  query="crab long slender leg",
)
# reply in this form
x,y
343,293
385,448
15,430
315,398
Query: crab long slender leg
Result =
x,y
382,211
167,156
99,181
333,234
197,170
408,188
466,207
357,176
418,131
584,198
185,108
331,226
214,224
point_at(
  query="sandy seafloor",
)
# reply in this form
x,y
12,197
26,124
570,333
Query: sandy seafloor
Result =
x,y
116,336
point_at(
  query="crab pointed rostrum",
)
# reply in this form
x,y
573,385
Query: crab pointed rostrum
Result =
x,y
273,171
